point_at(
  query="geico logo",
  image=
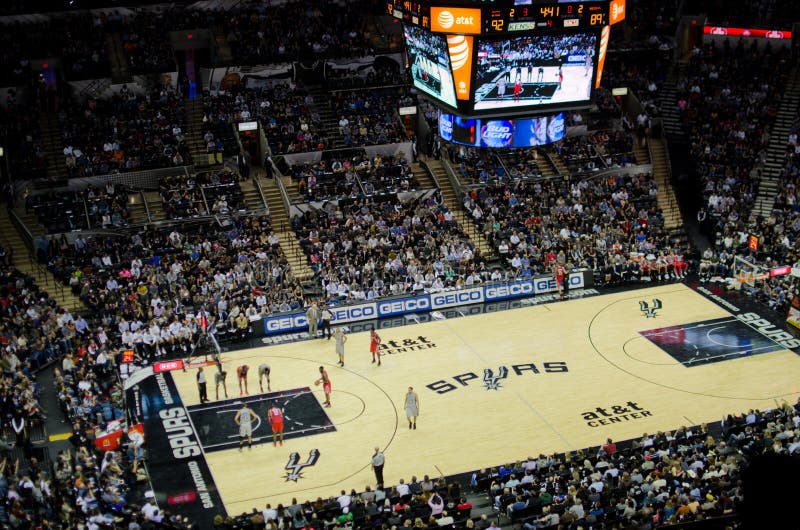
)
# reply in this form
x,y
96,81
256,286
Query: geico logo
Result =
x,y
576,280
180,432
545,285
498,132
456,298
352,313
278,324
399,306
509,290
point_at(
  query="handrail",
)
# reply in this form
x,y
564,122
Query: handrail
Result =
x,y
234,126
552,163
431,173
459,190
287,203
86,213
352,89
260,191
502,162
451,175
146,207
27,236
671,199
205,201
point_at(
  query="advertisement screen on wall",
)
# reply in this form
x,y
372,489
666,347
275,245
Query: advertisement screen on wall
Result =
x,y
502,133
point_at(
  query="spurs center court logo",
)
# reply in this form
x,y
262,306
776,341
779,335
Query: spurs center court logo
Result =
x,y
649,311
615,414
492,381
294,468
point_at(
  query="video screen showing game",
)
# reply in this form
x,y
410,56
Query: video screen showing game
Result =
x,y
430,64
535,70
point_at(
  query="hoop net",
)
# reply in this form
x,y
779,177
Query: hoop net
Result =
x,y
746,272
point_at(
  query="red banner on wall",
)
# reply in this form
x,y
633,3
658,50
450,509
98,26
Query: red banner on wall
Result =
x,y
747,32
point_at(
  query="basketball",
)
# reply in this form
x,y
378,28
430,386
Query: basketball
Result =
x,y
316,382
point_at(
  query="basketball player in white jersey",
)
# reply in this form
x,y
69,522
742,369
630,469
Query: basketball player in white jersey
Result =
x,y
245,417
341,338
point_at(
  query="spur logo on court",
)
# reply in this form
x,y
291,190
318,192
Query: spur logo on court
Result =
x,y
491,380
391,347
602,416
649,311
294,468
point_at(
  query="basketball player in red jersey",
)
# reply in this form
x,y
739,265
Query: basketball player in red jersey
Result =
x,y
241,372
375,345
326,385
558,273
276,422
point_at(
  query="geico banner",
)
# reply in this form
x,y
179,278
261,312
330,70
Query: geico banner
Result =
x,y
284,323
509,290
452,298
427,302
352,313
548,285
341,315
400,306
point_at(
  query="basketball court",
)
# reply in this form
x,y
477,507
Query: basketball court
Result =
x,y
493,388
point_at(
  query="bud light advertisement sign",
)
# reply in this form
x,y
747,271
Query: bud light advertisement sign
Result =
x,y
446,126
555,129
497,133
523,132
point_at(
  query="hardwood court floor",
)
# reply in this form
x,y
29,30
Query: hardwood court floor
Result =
x,y
588,353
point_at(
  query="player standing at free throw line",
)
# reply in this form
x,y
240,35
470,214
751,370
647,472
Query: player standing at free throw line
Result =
x,y
275,415
326,385
244,418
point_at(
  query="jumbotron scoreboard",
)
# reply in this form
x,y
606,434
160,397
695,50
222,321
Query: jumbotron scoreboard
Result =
x,y
508,57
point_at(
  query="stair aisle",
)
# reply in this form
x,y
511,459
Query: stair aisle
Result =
x,y
194,135
666,198
776,150
282,225
26,262
422,176
53,146
668,104
330,121
252,198
454,204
